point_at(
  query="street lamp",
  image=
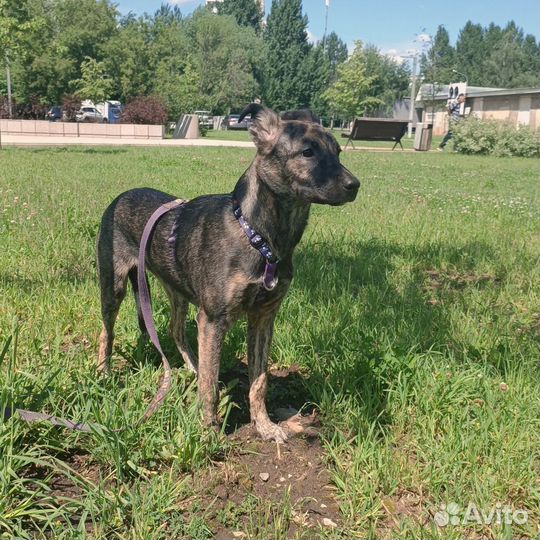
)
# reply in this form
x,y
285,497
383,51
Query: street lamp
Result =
x,y
414,56
459,73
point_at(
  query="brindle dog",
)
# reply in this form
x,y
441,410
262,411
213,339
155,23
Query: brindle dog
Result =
x,y
211,262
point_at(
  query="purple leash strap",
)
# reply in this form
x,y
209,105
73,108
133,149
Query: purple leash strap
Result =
x,y
146,309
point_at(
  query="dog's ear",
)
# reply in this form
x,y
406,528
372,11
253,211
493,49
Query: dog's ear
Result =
x,y
265,127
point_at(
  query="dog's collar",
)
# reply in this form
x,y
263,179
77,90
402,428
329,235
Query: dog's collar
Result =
x,y
270,278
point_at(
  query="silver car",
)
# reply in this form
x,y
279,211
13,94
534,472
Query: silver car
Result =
x,y
89,114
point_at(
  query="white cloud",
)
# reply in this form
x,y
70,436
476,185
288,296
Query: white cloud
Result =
x,y
311,37
424,38
182,2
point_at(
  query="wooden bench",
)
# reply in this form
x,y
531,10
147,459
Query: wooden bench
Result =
x,y
377,129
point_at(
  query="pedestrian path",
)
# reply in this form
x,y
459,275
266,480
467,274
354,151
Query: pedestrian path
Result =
x,y
51,140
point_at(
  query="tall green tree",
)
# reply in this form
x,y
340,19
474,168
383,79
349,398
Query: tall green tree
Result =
x,y
129,59
246,12
94,83
336,52
351,94
316,72
226,57
437,64
286,41
508,63
471,53
390,80
17,23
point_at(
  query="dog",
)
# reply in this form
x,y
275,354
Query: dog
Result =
x,y
208,251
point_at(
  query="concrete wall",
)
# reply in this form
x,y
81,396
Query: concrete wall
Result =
x,y
80,129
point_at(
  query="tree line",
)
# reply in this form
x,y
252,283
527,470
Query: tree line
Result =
x,y
62,50
489,56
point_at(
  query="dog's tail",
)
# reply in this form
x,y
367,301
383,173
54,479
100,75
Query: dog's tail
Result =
x,y
133,277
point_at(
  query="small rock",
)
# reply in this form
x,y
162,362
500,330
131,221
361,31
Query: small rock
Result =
x,y
264,476
289,476
328,523
239,534
282,479
323,505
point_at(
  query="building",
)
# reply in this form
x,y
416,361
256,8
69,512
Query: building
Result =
x,y
516,105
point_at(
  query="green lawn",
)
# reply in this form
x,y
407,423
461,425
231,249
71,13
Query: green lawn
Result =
x,y
413,319
239,135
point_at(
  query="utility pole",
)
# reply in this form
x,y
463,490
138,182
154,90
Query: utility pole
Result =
x,y
413,96
8,77
327,5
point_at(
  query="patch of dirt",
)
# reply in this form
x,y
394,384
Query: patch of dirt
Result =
x,y
290,478
286,390
61,485
453,281
402,505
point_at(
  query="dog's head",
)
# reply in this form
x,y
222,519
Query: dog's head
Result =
x,y
297,157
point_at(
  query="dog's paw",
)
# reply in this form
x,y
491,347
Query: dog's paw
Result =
x,y
270,431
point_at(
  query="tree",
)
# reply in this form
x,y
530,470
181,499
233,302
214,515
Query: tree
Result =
x,y
509,61
130,59
287,46
336,52
179,90
246,12
226,57
350,96
471,53
94,83
15,24
316,72
390,80
436,66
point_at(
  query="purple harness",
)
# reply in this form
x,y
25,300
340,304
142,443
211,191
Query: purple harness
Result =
x,y
269,282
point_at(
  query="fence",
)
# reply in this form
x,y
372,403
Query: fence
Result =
x,y
79,129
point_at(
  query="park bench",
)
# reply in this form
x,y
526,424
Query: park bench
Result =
x,y
376,129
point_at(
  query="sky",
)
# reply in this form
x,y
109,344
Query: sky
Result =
x,y
396,27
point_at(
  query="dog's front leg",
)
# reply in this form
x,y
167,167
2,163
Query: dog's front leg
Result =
x,y
210,335
260,330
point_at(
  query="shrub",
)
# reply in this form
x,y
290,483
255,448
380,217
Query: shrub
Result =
x,y
31,110
496,138
145,110
70,105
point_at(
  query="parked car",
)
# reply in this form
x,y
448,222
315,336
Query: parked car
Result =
x,y
55,114
231,122
205,119
89,114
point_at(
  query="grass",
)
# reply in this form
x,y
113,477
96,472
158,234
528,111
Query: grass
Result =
x,y
419,337
240,135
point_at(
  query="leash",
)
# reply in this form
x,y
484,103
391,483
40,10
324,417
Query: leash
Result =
x,y
146,309
269,282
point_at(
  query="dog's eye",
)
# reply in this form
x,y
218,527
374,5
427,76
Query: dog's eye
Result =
x,y
308,152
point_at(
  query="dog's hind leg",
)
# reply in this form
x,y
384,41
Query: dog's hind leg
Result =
x,y
260,330
113,280
179,308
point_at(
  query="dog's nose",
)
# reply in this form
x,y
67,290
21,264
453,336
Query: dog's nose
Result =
x,y
351,183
